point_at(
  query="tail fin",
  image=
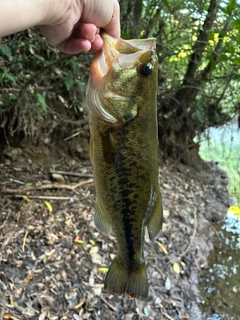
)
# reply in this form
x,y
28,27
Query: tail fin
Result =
x,y
120,280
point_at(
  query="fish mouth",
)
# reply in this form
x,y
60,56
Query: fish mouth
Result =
x,y
124,52
103,91
102,65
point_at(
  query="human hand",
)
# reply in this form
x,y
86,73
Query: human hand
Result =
x,y
74,24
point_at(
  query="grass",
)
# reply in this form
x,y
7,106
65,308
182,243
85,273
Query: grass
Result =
x,y
223,147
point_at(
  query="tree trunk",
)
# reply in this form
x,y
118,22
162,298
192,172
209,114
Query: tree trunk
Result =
x,y
177,125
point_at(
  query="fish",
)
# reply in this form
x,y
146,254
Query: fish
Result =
x,y
122,107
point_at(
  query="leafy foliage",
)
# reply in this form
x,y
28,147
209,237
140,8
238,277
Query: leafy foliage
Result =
x,y
39,84
6,51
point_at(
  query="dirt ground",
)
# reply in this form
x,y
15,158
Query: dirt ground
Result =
x,y
53,260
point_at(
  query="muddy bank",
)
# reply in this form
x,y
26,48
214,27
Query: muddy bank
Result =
x,y
52,263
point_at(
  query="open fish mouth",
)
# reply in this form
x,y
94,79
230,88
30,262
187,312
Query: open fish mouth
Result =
x,y
124,52
119,67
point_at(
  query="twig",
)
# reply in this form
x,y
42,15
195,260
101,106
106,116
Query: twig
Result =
x,y
24,241
216,232
1,313
167,316
182,223
193,235
110,306
50,186
73,174
2,226
47,198
79,306
72,136
16,181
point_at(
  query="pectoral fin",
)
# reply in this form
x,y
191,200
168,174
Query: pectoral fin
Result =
x,y
108,147
100,221
154,214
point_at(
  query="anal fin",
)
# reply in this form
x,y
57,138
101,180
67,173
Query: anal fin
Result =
x,y
154,214
108,147
100,221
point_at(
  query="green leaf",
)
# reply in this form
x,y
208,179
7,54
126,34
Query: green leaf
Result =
x,y
212,61
224,10
41,100
238,38
230,48
7,102
126,35
167,4
237,60
40,58
236,24
6,75
69,82
5,51
231,6
211,35
223,57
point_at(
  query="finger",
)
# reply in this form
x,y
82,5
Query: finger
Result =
x,y
106,17
88,31
97,44
113,27
74,46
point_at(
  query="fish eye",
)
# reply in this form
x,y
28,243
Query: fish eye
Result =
x,y
146,69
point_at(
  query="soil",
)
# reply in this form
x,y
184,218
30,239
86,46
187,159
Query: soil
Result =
x,y
53,260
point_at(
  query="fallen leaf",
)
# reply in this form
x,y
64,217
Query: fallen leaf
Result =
x,y
51,219
26,198
97,288
48,205
28,277
9,316
104,270
162,248
96,258
94,250
176,267
18,290
46,301
78,241
168,284
166,213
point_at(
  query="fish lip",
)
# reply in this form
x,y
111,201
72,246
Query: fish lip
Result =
x,y
126,53
102,64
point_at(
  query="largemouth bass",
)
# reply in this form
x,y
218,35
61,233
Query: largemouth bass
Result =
x,y
121,95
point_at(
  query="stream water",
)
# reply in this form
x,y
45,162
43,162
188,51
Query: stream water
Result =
x,y
220,283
